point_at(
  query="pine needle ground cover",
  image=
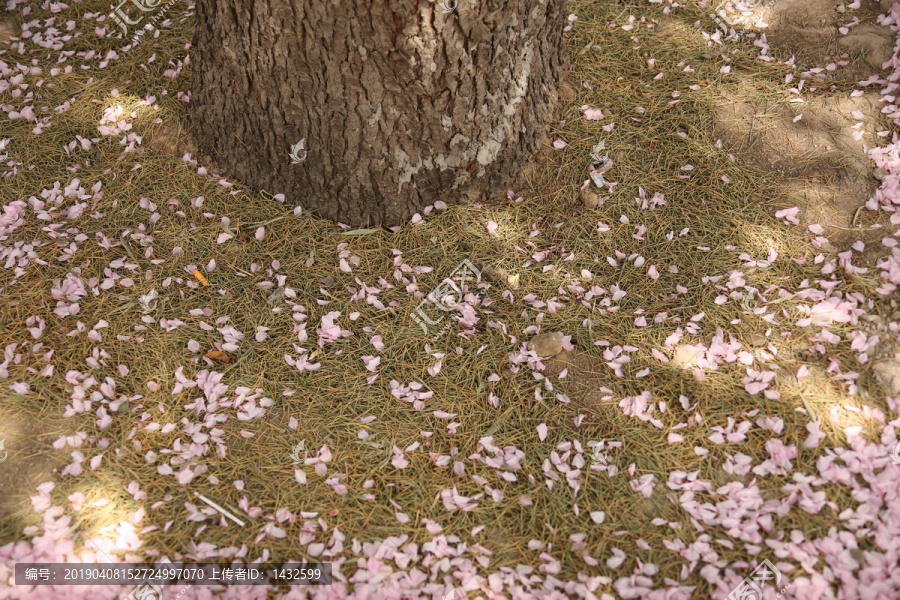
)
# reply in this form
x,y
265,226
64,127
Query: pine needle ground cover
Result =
x,y
644,391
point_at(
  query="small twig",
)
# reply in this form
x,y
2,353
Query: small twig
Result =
x,y
269,222
809,408
123,307
128,249
220,509
855,228
241,270
856,214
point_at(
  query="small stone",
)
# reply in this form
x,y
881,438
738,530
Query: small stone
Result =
x,y
876,319
887,374
879,173
707,56
589,198
494,273
845,56
546,344
327,281
841,8
757,340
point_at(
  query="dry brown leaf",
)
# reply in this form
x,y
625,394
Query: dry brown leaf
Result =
x,y
219,356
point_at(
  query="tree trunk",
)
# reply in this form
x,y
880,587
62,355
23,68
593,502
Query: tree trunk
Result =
x,y
400,103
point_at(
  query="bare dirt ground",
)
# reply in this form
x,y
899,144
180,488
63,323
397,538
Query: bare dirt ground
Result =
x,y
810,147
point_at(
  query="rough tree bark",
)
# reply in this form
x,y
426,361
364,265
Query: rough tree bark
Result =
x,y
400,102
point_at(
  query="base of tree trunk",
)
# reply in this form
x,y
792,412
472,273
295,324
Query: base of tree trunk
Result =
x,y
398,103
525,180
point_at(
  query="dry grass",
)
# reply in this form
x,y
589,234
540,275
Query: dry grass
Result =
x,y
727,218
